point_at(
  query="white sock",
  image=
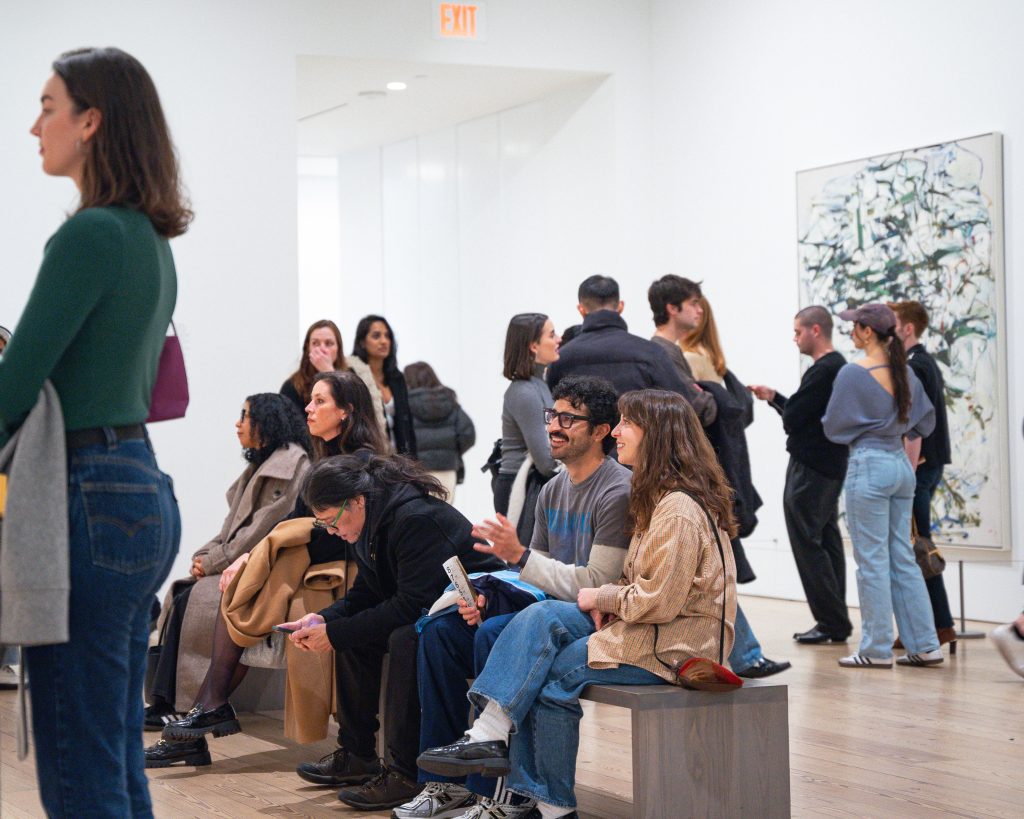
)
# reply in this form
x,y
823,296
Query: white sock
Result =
x,y
491,725
551,811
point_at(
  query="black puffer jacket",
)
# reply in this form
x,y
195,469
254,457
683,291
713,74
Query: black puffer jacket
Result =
x,y
443,430
406,538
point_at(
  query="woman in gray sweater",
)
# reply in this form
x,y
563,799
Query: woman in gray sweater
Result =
x,y
875,402
530,345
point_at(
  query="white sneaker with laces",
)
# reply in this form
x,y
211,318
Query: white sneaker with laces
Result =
x,y
923,658
1010,646
436,800
860,661
489,809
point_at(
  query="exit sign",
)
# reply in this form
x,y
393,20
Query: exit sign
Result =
x,y
459,21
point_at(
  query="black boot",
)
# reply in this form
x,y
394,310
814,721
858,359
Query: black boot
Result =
x,y
339,768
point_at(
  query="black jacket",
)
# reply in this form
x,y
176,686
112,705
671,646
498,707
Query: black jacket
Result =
x,y
405,435
935,449
729,438
406,538
443,430
605,348
801,418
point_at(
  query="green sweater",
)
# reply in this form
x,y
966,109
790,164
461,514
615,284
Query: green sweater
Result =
x,y
94,324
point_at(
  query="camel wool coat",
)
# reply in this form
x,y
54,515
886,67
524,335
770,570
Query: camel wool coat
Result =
x,y
258,500
278,585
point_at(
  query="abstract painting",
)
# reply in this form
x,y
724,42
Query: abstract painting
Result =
x,y
926,224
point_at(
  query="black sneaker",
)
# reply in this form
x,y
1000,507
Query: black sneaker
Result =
x,y
339,768
220,722
191,752
465,757
157,716
388,789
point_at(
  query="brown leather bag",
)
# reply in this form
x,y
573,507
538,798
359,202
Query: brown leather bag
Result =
x,y
928,557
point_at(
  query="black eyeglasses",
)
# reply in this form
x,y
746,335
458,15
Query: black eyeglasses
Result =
x,y
244,414
565,419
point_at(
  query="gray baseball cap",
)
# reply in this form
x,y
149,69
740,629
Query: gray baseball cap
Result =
x,y
879,317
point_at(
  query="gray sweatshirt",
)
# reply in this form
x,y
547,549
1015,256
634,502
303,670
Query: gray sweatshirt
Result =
x,y
862,413
522,426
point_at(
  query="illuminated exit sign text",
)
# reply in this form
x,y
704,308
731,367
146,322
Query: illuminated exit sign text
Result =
x,y
459,21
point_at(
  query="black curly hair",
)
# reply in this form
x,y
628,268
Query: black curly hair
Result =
x,y
597,395
275,422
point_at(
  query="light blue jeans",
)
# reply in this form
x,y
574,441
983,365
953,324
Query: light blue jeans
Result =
x,y
879,497
535,673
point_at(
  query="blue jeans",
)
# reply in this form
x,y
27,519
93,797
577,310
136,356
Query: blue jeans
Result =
x,y
879,495
535,673
87,693
746,650
449,652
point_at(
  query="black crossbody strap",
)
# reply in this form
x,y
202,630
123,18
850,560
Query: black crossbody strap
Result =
x,y
721,555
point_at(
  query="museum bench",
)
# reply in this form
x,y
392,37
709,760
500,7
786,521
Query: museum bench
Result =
x,y
698,753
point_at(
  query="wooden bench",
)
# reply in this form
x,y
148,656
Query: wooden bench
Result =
x,y
700,754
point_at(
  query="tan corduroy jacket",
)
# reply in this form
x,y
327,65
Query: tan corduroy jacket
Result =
x,y
673,576
278,585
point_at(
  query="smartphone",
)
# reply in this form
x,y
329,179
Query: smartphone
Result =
x,y
284,630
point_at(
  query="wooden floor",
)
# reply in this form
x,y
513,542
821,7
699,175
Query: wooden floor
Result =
x,y
908,742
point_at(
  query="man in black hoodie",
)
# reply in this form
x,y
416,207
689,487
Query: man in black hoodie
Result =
x,y
402,534
605,348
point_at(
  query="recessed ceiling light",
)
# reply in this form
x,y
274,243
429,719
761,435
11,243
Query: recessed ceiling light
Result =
x,y
396,86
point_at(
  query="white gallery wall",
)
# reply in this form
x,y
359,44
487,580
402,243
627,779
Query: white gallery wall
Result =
x,y
682,160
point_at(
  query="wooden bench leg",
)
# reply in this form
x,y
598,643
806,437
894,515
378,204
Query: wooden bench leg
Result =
x,y
711,762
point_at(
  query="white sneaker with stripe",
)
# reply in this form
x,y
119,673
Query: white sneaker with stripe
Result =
x,y
923,658
860,661
436,800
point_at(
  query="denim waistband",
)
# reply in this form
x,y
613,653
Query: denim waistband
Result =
x,y
887,444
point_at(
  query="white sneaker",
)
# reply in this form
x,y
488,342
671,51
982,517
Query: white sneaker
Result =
x,y
9,676
923,658
436,800
860,661
489,809
1011,646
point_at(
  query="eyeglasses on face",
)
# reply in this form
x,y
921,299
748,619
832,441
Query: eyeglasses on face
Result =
x,y
323,524
565,419
244,414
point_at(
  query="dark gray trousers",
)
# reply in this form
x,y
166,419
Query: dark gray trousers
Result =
x,y
811,505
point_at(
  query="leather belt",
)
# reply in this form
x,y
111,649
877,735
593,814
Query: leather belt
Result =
x,y
90,437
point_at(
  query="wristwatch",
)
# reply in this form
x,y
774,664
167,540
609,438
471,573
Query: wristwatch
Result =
x,y
521,563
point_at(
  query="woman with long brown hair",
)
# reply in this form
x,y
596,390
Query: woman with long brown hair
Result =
x,y
323,352
94,327
667,608
703,349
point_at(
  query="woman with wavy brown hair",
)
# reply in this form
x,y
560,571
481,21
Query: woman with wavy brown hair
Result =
x,y
94,327
666,609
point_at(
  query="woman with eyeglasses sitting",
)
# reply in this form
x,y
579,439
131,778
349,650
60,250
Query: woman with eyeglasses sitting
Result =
x,y
391,510
340,419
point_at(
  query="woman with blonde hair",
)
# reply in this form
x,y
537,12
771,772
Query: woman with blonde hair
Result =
x,y
675,601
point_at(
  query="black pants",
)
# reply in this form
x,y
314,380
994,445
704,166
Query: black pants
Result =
x,y
165,684
811,505
358,672
502,492
928,480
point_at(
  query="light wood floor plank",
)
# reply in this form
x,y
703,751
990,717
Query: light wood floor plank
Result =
x,y
863,743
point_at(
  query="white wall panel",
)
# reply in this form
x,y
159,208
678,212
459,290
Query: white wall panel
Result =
x,y
400,229
361,268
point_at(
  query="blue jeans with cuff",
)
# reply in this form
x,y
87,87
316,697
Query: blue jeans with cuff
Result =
x,y
87,707
535,674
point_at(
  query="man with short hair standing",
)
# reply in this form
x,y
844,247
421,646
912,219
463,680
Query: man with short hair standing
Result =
x,y
605,347
579,541
911,323
675,304
814,480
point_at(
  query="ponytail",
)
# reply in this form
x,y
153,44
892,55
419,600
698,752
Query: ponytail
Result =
x,y
898,368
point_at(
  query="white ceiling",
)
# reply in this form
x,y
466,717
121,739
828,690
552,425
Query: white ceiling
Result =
x,y
334,118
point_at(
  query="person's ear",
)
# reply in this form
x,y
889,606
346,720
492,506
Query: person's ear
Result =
x,y
621,307
601,431
91,120
534,346
582,310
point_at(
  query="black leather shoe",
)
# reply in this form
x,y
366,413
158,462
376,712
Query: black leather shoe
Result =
x,y
464,757
191,752
339,768
220,722
763,668
815,636
388,789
